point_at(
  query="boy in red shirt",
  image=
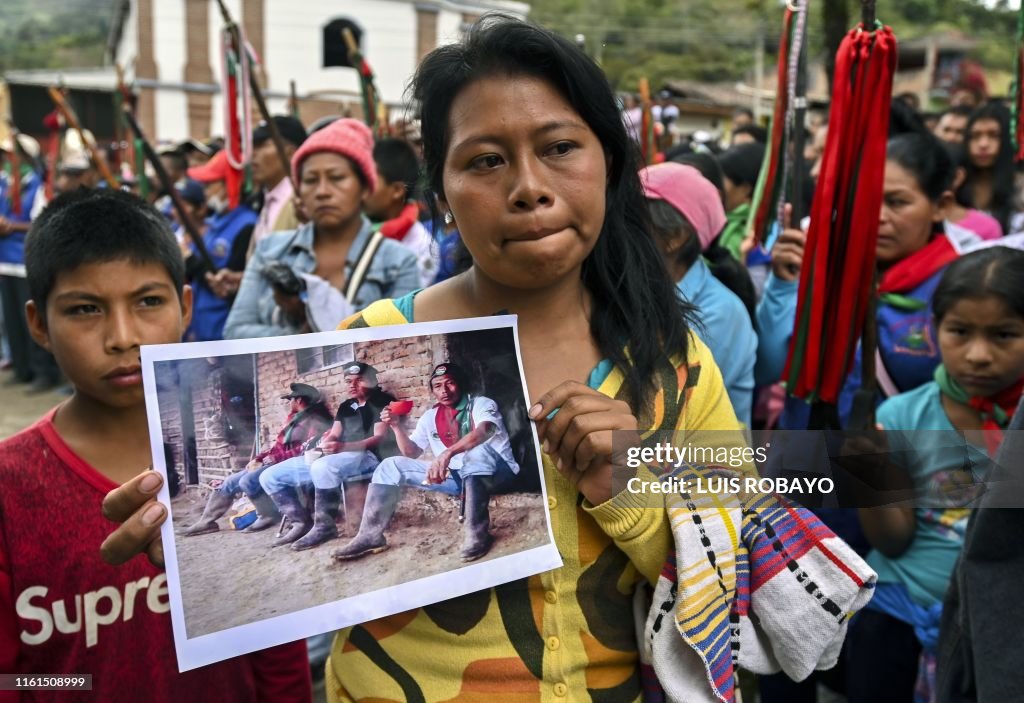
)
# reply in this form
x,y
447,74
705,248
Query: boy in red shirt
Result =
x,y
105,277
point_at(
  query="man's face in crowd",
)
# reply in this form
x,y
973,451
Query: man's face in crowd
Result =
x,y
445,390
72,179
267,169
951,128
358,387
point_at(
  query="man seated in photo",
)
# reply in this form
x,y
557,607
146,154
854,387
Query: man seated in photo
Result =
x,y
348,452
308,417
467,436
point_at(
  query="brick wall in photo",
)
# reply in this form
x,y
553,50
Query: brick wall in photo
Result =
x,y
402,365
169,397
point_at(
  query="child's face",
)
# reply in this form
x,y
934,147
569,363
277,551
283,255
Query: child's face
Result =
x,y
97,318
982,345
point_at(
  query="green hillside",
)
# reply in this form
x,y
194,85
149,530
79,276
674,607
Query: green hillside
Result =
x,y
53,33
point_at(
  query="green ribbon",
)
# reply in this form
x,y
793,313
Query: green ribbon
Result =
x,y
952,388
903,302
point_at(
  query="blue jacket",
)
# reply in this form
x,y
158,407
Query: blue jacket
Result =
x,y
210,312
727,331
392,274
12,246
906,342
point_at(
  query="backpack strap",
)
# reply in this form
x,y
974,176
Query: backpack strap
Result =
x,y
355,281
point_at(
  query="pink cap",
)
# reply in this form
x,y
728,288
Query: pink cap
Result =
x,y
350,138
684,188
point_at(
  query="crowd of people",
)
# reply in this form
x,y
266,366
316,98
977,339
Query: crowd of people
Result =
x,y
643,302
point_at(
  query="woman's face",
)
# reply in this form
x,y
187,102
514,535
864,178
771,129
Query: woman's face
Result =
x,y
330,190
983,143
907,218
524,177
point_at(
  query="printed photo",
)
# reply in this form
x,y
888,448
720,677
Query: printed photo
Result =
x,y
321,481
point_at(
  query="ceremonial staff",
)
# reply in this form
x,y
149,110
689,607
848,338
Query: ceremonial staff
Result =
x,y
72,120
15,159
168,185
257,94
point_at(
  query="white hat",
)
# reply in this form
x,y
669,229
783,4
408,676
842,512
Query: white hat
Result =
x,y
28,145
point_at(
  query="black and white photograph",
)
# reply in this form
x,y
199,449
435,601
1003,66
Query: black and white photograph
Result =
x,y
354,475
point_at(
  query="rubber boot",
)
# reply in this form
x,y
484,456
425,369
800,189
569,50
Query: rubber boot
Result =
x,y
267,514
380,505
287,500
325,513
478,538
216,505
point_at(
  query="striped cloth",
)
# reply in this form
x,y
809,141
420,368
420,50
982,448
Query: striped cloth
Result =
x,y
755,583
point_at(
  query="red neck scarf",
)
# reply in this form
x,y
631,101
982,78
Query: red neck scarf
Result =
x,y
399,227
996,412
907,274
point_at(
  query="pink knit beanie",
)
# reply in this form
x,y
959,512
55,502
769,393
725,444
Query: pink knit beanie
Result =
x,y
350,138
684,188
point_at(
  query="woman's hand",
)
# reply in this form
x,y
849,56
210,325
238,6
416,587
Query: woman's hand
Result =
x,y
579,438
134,505
788,252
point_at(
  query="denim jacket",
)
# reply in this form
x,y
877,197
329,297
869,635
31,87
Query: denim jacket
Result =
x,y
392,273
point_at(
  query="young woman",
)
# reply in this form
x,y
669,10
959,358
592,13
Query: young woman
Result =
x,y
966,226
335,174
979,316
990,170
912,253
687,218
550,207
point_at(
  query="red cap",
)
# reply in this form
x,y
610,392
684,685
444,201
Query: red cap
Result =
x,y
216,169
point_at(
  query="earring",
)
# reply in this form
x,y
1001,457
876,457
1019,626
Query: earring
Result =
x,y
448,219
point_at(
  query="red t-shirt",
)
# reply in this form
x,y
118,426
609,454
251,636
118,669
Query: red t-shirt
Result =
x,y
63,610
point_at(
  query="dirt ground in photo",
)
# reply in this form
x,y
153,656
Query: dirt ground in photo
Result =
x,y
230,578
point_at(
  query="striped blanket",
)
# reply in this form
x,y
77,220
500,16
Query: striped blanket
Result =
x,y
756,583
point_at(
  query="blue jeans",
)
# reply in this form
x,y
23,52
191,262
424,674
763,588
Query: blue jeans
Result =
x,y
327,472
403,471
249,482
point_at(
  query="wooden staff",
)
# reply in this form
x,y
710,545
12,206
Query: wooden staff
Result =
x,y
15,159
293,99
168,185
72,120
257,94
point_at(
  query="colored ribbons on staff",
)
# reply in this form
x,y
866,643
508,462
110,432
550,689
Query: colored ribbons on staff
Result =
x,y
1018,98
837,278
770,193
236,65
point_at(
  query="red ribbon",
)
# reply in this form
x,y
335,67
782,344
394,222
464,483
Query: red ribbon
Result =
x,y
836,281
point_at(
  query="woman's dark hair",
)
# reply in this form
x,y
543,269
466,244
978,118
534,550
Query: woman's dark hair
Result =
x,y
647,319
923,156
957,157
992,271
667,222
1001,206
903,119
741,164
